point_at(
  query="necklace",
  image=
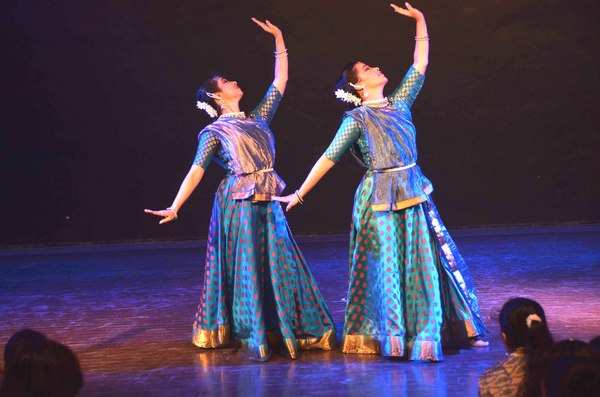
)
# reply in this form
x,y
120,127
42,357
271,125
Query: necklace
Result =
x,y
236,115
376,103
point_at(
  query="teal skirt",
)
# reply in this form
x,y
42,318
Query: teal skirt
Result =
x,y
409,286
258,290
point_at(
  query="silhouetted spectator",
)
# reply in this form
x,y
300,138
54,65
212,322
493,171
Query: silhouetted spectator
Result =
x,y
36,366
595,344
571,369
526,335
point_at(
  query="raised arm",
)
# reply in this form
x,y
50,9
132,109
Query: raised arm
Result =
x,y
412,82
421,54
207,146
268,105
346,136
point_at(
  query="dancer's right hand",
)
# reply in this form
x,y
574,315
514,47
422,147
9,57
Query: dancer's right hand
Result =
x,y
168,215
291,200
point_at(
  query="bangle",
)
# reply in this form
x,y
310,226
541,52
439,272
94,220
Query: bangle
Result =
x,y
282,52
422,38
300,200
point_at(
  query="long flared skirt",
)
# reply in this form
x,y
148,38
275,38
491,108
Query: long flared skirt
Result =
x,y
258,289
409,286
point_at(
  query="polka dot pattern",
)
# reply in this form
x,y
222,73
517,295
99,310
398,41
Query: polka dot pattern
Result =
x,y
256,280
394,286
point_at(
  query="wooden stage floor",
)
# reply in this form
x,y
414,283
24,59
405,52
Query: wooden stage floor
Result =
x,y
127,310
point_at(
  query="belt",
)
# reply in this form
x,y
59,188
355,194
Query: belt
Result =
x,y
394,169
256,172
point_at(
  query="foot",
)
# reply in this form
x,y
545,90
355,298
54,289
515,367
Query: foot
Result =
x,y
478,341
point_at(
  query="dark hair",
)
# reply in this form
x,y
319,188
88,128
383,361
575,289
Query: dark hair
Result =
x,y
513,323
41,367
534,337
22,343
571,369
209,86
348,76
595,344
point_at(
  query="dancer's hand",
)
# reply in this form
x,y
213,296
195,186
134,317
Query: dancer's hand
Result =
x,y
168,215
291,200
268,27
409,11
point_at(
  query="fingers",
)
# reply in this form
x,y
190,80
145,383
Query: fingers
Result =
x,y
408,6
290,205
400,10
166,220
152,212
263,25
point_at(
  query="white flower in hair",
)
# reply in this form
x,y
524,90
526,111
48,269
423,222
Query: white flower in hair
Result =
x,y
345,96
207,108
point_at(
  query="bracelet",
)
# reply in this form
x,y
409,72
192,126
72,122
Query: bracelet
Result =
x,y
282,52
422,38
300,200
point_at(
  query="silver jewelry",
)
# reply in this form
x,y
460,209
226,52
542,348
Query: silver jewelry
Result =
x,y
233,115
300,200
422,38
282,52
376,103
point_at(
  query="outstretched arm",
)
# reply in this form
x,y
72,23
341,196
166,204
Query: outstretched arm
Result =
x,y
208,144
421,54
190,182
345,137
318,171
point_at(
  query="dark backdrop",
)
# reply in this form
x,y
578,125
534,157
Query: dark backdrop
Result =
x,y
98,117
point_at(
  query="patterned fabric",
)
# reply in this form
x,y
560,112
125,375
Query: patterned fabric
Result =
x,y
258,289
348,134
208,144
409,88
383,138
268,105
505,379
400,295
410,289
257,285
245,147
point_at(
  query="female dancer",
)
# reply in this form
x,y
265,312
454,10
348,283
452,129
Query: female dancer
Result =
x,y
257,283
407,278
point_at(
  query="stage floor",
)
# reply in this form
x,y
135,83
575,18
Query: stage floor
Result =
x,y
127,311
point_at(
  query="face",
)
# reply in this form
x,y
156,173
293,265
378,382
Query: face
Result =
x,y
369,76
229,89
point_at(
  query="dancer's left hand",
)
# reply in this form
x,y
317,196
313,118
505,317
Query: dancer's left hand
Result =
x,y
291,200
409,11
268,27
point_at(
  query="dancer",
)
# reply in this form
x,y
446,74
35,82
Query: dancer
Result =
x,y
407,278
257,283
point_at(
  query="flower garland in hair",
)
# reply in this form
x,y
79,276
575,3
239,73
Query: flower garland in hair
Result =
x,y
207,108
345,96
